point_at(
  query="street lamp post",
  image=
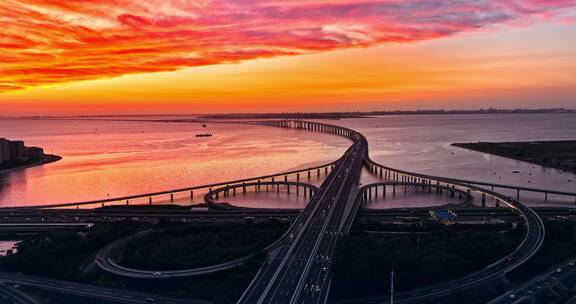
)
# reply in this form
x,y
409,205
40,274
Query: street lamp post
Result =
x,y
392,287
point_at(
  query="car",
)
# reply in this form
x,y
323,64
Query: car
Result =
x,y
571,264
157,273
559,270
150,300
512,296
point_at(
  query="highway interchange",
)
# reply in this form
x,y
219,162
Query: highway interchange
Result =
x,y
298,270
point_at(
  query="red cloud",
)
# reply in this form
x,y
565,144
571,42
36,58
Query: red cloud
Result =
x,y
55,41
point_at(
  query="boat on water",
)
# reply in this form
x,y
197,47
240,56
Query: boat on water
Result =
x,y
203,125
204,135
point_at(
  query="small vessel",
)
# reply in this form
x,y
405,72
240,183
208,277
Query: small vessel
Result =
x,y
203,125
204,135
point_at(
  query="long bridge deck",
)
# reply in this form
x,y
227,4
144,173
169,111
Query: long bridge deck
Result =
x,y
299,271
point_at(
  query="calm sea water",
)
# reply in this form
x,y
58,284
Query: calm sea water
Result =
x,y
103,158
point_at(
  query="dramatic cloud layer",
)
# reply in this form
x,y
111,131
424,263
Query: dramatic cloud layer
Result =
x,y
55,41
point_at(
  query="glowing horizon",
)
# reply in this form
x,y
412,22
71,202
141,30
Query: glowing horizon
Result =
x,y
110,56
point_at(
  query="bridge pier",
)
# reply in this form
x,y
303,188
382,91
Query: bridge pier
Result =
x,y
150,200
191,195
483,199
171,197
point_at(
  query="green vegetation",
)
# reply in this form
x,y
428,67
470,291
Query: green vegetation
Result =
x,y
67,255
61,254
555,154
224,287
559,244
363,261
190,246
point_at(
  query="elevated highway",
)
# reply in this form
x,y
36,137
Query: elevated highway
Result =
x,y
299,270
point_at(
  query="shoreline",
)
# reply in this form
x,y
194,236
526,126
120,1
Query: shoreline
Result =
x,y
503,149
46,159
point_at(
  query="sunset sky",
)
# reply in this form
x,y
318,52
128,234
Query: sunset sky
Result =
x,y
198,56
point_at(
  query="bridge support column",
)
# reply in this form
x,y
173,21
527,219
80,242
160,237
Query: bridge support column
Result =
x,y
234,191
308,174
394,189
298,177
546,197
297,190
244,188
384,190
191,195
318,173
517,194
370,193
288,188
150,200
483,199
171,197
285,178
127,203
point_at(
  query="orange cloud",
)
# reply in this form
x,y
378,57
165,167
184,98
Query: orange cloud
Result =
x,y
52,41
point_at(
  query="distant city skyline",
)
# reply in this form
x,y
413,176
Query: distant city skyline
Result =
x,y
155,57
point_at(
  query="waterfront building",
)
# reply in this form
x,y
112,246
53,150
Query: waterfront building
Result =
x,y
16,151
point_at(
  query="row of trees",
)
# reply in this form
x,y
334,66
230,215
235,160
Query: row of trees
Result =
x,y
363,262
194,245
